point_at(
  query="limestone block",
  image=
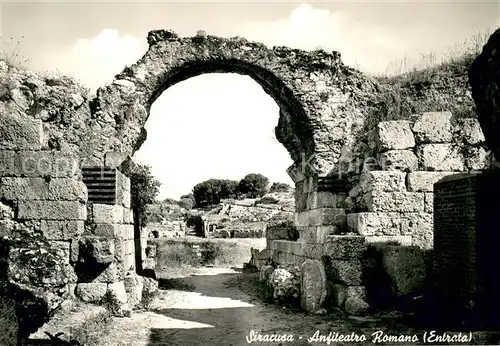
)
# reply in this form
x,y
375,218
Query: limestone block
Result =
x,y
128,216
301,200
117,290
477,159
314,251
398,239
470,131
320,217
100,249
424,181
110,214
62,230
316,234
107,230
404,160
20,132
441,157
114,158
402,202
433,127
405,268
67,189
91,292
7,162
23,188
129,229
134,286
429,202
421,228
112,273
339,293
347,272
374,223
129,262
388,181
46,163
356,307
395,134
287,246
126,199
310,184
313,285
344,246
52,210
129,246
273,233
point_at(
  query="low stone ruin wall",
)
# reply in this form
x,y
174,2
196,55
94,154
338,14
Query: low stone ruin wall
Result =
x,y
349,226
168,229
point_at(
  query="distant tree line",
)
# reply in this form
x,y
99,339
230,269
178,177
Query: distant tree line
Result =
x,y
253,185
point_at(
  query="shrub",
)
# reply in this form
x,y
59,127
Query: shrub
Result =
x,y
144,189
93,329
253,185
186,203
285,283
280,187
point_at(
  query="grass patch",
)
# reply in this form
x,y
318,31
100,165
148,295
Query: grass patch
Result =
x,y
197,252
432,83
175,284
92,331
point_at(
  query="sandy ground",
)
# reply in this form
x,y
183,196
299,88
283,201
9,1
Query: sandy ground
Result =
x,y
223,310
224,306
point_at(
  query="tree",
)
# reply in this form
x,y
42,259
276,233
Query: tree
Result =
x,y
280,187
213,190
253,185
189,196
143,188
186,203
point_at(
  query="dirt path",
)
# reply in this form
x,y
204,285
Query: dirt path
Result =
x,y
222,310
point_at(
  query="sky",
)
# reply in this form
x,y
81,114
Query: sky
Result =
x,y
228,131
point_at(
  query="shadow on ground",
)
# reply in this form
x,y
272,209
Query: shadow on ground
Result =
x,y
223,309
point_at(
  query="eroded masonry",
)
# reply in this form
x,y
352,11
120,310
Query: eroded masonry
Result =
x,y
360,178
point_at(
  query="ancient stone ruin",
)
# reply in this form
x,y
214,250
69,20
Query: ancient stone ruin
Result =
x,y
365,164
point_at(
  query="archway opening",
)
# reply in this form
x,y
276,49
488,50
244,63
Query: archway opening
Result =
x,y
205,135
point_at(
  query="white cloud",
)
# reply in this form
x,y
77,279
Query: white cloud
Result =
x,y
95,61
308,28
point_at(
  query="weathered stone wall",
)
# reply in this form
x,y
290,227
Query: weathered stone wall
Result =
x,y
42,198
391,200
107,250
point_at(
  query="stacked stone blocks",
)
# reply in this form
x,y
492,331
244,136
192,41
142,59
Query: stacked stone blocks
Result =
x,y
109,241
46,189
391,203
396,199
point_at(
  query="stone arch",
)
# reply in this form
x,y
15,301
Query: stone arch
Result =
x,y
310,88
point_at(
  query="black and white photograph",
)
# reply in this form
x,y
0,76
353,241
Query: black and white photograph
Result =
x,y
247,172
